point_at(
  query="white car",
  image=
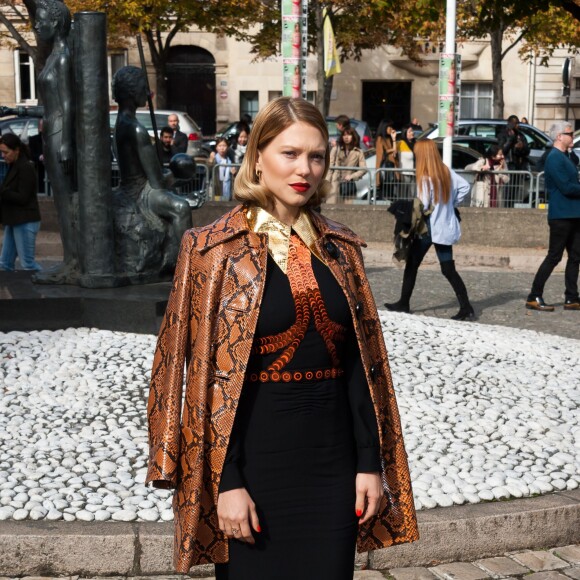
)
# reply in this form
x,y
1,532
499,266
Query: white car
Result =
x,y
186,125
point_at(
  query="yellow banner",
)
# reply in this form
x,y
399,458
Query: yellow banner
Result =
x,y
331,61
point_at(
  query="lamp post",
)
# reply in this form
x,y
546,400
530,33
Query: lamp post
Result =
x,y
449,104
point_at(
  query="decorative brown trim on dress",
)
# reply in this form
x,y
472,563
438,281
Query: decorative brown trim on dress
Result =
x,y
309,303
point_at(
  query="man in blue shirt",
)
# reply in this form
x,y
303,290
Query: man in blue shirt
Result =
x,y
561,177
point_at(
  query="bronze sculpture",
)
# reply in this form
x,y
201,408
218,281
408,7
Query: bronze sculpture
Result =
x,y
129,235
55,85
143,183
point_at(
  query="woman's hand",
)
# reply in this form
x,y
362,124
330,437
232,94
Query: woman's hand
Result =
x,y
368,495
236,511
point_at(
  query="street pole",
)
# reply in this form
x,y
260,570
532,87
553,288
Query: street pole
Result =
x,y
451,17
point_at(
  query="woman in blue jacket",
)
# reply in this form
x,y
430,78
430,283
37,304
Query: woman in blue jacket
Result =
x,y
441,191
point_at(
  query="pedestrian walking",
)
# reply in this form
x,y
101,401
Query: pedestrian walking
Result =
x,y
561,178
19,211
288,446
440,190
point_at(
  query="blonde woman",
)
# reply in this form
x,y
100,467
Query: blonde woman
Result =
x,y
288,447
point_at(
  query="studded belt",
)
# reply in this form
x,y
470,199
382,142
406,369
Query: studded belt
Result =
x,y
267,376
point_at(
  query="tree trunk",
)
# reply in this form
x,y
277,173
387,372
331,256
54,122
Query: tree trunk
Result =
x,y
496,38
158,54
324,85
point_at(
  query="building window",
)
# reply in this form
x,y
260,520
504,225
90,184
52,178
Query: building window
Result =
x,y
249,103
25,87
476,101
117,60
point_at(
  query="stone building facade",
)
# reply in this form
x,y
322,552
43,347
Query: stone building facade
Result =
x,y
216,80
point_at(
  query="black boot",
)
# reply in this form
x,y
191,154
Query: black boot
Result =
x,y
466,311
409,279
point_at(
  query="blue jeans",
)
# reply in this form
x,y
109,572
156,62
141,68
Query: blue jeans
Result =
x,y
19,241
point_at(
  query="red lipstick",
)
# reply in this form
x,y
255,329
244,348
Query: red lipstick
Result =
x,y
302,187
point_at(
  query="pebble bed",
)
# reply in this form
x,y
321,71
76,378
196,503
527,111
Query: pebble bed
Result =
x,y
489,413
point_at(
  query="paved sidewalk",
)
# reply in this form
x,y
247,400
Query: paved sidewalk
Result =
x,y
498,281
562,563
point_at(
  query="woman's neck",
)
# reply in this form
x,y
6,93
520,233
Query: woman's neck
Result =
x,y
286,214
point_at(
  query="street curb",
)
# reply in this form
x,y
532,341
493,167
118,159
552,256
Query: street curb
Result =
x,y
140,549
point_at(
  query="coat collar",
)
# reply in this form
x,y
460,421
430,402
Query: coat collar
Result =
x,y
235,222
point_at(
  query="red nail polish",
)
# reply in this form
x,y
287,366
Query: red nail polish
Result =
x,y
258,529
359,513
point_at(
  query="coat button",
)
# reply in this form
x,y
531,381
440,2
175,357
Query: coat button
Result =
x,y
331,249
358,309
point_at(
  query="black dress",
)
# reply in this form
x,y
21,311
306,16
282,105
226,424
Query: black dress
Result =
x,y
296,446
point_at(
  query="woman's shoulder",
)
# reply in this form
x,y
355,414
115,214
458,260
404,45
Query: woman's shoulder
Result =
x,y
476,165
221,230
24,164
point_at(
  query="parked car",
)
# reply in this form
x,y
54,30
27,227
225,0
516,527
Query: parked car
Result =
x,y
479,144
186,124
23,127
492,128
461,156
361,127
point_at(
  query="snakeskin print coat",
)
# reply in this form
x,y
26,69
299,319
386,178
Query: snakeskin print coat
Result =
x,y
207,334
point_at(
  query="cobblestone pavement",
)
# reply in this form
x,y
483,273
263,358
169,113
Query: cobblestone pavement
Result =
x,y
498,297
561,563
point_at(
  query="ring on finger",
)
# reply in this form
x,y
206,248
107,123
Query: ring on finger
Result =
x,y
235,531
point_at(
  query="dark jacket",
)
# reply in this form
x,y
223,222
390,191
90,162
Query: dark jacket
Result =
x,y
515,149
562,186
18,194
209,324
180,142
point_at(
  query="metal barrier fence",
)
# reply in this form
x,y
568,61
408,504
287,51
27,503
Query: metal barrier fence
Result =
x,y
215,187
519,189
508,189
195,191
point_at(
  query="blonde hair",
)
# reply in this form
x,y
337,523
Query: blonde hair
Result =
x,y
274,118
429,166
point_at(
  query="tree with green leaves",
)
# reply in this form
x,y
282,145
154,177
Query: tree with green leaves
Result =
x,y
538,27
358,25
157,20
17,19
